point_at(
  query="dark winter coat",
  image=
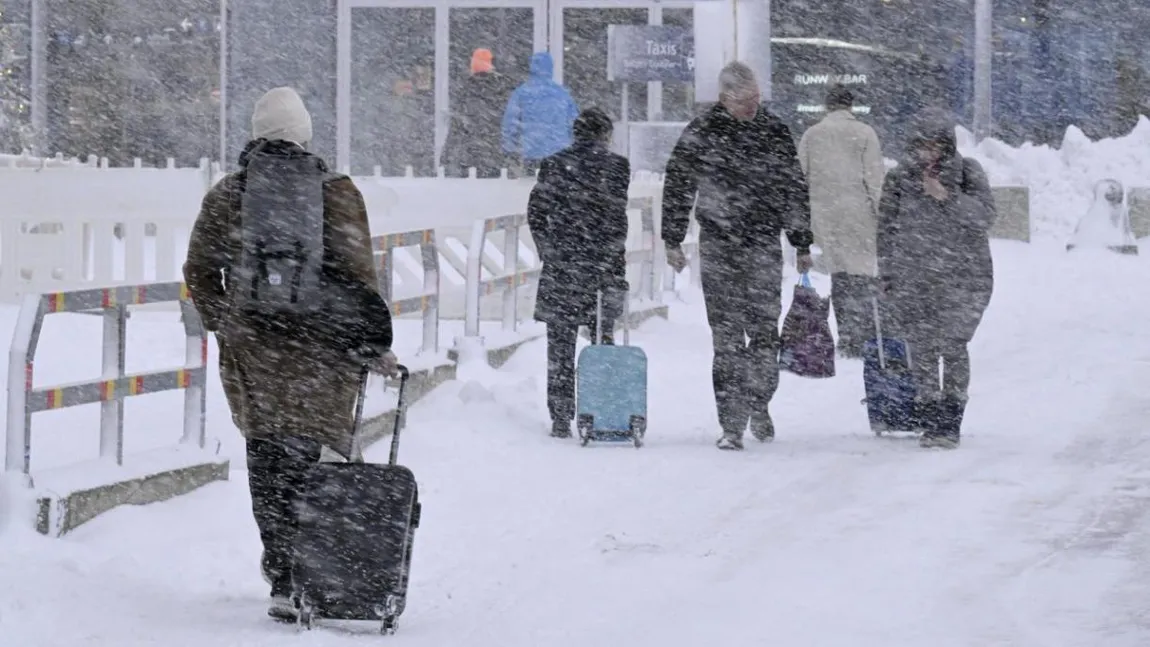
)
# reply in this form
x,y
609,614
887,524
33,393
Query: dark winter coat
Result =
x,y
277,384
748,180
577,214
934,255
474,138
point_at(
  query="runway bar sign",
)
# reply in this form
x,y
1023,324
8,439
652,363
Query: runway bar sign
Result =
x,y
646,53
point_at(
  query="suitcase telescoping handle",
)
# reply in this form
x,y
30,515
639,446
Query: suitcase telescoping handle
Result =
x,y
598,339
878,335
356,452
400,413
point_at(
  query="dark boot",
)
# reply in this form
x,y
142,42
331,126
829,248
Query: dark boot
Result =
x,y
281,606
560,428
730,442
925,419
947,433
762,428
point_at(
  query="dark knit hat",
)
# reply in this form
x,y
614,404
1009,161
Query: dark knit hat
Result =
x,y
839,97
593,124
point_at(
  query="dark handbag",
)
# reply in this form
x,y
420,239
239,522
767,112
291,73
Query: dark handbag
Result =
x,y
807,348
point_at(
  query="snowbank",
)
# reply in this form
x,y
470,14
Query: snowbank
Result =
x,y
1061,181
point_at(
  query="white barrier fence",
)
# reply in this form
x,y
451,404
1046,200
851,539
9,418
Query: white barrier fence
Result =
x,y
496,275
114,385
70,496
390,255
66,225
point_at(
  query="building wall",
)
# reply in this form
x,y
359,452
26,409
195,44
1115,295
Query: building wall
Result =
x,y
131,78
1057,62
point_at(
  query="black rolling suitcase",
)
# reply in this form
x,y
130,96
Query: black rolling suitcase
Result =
x,y
357,520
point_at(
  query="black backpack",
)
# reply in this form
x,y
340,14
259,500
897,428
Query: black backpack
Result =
x,y
278,281
282,281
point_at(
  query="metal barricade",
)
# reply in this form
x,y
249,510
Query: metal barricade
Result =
x,y
426,303
507,282
114,385
644,255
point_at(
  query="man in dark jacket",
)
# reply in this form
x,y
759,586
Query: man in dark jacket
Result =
x,y
577,214
291,391
741,164
474,139
936,269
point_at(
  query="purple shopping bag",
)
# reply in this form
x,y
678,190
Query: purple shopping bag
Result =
x,y
807,348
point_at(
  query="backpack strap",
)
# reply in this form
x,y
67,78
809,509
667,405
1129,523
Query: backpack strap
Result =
x,y
331,176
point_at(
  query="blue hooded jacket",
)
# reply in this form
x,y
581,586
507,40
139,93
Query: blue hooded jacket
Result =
x,y
539,115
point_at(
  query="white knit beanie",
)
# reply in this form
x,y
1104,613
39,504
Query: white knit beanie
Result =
x,y
280,114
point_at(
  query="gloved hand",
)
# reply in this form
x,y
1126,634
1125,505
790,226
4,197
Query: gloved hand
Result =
x,y
387,364
676,258
803,263
380,361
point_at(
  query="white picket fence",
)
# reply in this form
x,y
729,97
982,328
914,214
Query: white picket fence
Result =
x,y
449,245
70,226
67,225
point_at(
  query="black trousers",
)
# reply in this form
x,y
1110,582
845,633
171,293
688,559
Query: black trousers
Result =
x,y
928,355
277,471
742,289
852,295
561,342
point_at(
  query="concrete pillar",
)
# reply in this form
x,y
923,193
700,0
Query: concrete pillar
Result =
x,y
983,59
727,30
280,42
753,39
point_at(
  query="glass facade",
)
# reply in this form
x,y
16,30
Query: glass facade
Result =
x,y
133,81
140,78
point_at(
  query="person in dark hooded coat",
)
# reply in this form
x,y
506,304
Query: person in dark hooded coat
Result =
x,y
474,139
936,268
577,214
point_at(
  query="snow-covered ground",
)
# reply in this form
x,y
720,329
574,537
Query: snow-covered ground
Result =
x,y
1034,533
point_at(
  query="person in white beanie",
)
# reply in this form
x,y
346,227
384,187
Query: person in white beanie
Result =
x,y
281,115
291,351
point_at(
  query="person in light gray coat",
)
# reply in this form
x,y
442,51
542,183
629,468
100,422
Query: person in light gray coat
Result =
x,y
936,269
842,160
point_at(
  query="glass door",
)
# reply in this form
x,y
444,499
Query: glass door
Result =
x,y
386,90
579,45
478,90
403,67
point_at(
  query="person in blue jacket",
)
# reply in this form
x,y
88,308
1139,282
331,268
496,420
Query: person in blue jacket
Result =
x,y
539,116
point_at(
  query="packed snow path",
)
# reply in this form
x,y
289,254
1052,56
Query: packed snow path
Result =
x,y
1033,533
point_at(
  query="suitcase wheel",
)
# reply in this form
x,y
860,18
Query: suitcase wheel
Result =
x,y
305,612
388,626
585,424
638,430
390,613
879,428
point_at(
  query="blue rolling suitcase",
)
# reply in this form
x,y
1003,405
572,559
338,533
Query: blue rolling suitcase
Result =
x,y
890,389
611,388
